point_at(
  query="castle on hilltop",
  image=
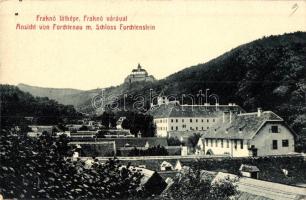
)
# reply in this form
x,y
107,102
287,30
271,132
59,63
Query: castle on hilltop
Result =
x,y
139,74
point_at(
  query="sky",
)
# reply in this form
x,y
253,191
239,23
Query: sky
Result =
x,y
186,33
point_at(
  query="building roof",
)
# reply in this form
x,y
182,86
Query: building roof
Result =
x,y
248,168
175,110
258,189
133,142
139,69
242,126
95,148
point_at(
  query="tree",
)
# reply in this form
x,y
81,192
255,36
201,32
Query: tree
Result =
x,y
173,141
37,169
126,124
193,140
151,151
83,128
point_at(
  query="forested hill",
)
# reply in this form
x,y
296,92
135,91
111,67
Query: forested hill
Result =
x,y
16,104
64,96
268,73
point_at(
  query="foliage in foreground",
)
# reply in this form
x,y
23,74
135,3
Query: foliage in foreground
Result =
x,y
199,185
36,168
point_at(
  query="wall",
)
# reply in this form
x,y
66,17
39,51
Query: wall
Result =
x,y
263,140
163,125
229,149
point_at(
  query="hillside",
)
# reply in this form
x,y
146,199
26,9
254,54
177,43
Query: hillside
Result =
x,y
268,73
16,104
65,96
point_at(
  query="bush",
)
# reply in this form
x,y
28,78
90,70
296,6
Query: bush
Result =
x,y
152,151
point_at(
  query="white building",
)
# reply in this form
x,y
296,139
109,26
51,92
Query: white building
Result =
x,y
248,134
171,119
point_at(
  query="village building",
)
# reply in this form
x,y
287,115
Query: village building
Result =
x,y
37,131
248,134
172,119
139,74
120,146
250,171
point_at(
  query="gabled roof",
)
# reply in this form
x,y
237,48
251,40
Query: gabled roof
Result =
x,y
248,168
242,126
258,189
175,110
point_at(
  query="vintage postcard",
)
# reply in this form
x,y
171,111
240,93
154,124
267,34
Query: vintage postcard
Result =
x,y
153,99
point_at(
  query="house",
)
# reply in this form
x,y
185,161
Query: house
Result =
x,y
248,134
90,134
151,180
249,171
166,166
37,131
139,74
172,118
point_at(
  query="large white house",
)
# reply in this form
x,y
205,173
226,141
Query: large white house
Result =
x,y
248,134
171,118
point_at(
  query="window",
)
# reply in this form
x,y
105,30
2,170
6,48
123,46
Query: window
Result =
x,y
196,128
216,142
208,120
221,143
190,120
196,120
182,120
206,140
176,128
227,143
240,129
171,120
241,144
202,128
207,127
285,143
190,128
235,144
202,120
214,120
274,144
274,129
171,127
176,120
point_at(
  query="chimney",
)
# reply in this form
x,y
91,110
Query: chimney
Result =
x,y
259,112
227,116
